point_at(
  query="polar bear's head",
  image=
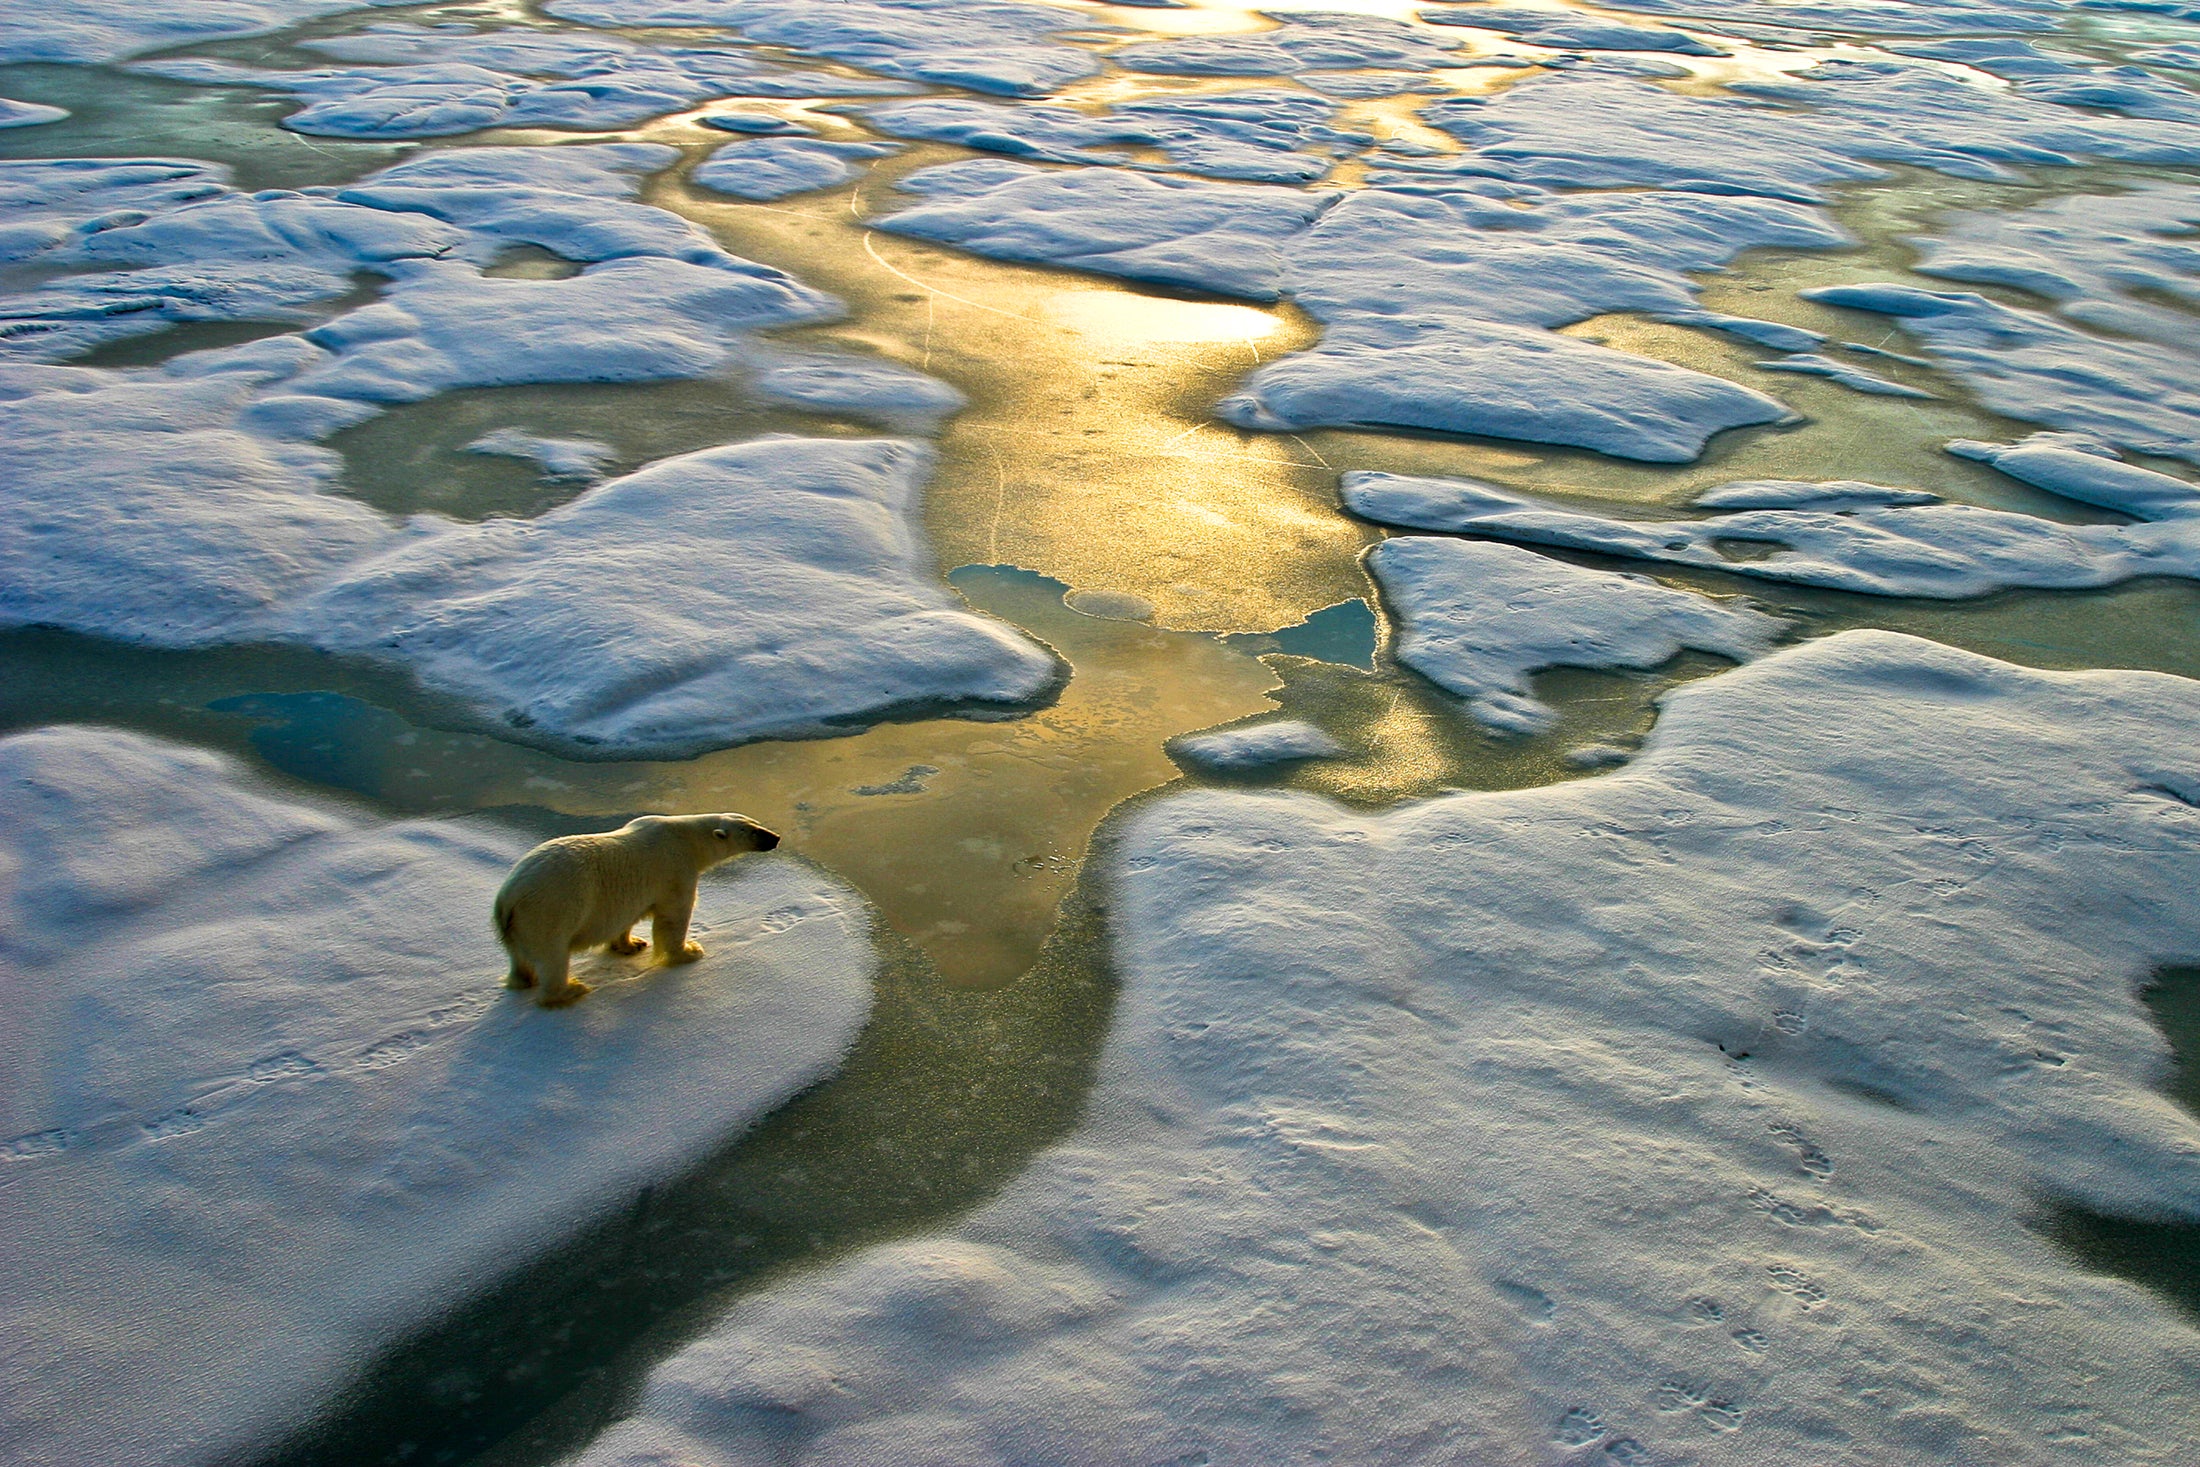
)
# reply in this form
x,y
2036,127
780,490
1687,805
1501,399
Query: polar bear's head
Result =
x,y
715,838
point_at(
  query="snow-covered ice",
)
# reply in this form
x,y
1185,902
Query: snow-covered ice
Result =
x,y
1302,41
1226,239
1848,374
984,45
2134,393
28,114
1787,139
557,458
107,30
1570,30
1477,619
1690,1113
1848,536
1431,301
269,1109
1267,136
1256,746
763,589
772,168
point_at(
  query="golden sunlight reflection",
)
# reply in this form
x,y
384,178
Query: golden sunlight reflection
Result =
x,y
1115,315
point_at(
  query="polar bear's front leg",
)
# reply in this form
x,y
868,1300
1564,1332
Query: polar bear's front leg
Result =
x,y
668,928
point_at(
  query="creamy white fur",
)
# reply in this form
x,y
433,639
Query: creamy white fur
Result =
x,y
584,891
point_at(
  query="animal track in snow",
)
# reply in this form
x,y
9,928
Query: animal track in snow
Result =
x,y
1793,1281
1577,1428
1754,1341
1812,1160
36,1144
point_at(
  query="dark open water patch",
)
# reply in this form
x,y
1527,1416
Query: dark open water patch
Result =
x,y
2163,1256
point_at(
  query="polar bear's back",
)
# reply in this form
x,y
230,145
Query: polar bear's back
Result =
x,y
580,886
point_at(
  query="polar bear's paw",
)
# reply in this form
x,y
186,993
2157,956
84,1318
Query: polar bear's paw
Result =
x,y
573,992
688,953
626,945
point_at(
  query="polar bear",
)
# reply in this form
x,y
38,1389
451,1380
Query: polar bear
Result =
x,y
585,891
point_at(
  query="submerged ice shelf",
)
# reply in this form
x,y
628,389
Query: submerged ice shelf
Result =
x,y
1627,1159
267,1109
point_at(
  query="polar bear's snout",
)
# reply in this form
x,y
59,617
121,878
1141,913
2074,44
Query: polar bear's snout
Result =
x,y
585,891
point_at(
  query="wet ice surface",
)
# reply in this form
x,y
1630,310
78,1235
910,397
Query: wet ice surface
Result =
x,y
1680,1036
1832,919
266,1107
1431,300
1477,619
1279,741
1879,541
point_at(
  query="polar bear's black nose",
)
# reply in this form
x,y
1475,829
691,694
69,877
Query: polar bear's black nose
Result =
x,y
766,840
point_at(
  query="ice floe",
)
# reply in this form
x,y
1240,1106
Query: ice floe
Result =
x,y
772,168
1303,41
1256,746
2102,259
268,1109
1587,129
1570,30
1268,136
557,458
28,114
1780,19
983,45
107,30
1849,536
2136,394
1477,619
1429,300
1170,231
1696,1112
1848,374
771,588
189,247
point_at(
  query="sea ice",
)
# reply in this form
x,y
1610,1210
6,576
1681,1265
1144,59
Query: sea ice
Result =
x,y
1569,30
878,391
107,30
1587,129
1256,746
773,588
28,114
1696,1112
2106,260
2136,394
983,45
1424,297
1477,619
270,1111
1227,239
1255,135
1869,17
1301,41
1842,535
1467,376
557,458
772,168
1848,374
